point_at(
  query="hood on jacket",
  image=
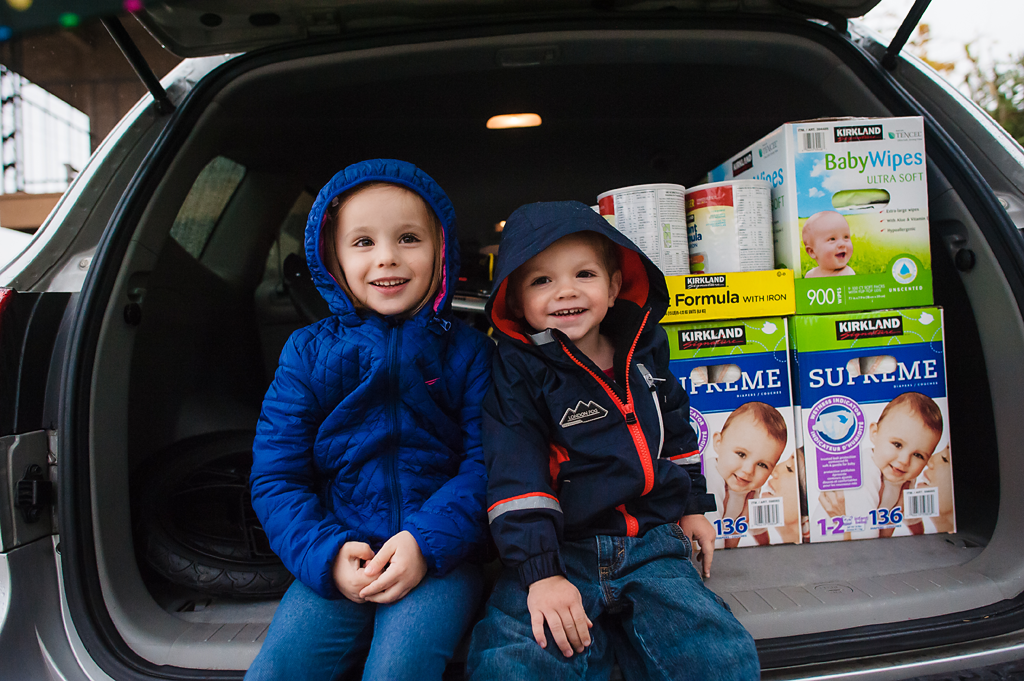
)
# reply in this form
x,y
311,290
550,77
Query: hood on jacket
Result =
x,y
535,226
395,172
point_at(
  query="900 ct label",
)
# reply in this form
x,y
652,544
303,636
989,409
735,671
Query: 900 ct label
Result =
x,y
876,519
817,297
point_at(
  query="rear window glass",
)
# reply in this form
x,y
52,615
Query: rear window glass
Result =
x,y
213,188
289,239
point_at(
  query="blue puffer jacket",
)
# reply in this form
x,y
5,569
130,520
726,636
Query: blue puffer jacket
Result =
x,y
372,425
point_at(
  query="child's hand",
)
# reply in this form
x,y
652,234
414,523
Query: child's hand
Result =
x,y
558,602
349,575
396,569
700,531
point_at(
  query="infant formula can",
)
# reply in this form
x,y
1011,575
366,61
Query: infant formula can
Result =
x,y
729,226
652,216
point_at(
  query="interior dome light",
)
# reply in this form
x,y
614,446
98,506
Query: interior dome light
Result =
x,y
521,120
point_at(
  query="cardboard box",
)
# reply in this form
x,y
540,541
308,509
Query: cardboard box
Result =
x,y
875,423
861,185
733,295
737,376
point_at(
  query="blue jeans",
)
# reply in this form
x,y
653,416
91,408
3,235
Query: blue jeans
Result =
x,y
651,613
312,638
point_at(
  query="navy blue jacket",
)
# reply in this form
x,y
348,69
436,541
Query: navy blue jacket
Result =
x,y
372,425
570,453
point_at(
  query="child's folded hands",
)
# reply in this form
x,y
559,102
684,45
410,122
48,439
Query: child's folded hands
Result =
x,y
395,571
349,574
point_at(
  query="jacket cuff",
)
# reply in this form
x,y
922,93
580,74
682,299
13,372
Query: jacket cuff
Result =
x,y
432,567
698,504
322,582
541,567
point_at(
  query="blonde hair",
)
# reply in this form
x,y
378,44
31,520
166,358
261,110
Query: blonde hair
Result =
x,y
329,240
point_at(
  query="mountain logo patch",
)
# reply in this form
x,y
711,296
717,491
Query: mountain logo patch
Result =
x,y
583,412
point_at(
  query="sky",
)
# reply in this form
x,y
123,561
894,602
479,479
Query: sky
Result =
x,y
995,26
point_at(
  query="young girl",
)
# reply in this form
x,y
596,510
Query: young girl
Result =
x,y
368,474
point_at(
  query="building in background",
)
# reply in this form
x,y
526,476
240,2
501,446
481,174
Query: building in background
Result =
x,y
61,92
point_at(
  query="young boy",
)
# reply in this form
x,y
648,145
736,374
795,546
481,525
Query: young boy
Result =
x,y
594,489
902,442
748,447
827,241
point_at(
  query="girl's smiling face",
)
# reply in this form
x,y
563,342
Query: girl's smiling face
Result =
x,y
386,248
903,444
747,454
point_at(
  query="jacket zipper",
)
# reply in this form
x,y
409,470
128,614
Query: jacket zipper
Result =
x,y
394,342
626,408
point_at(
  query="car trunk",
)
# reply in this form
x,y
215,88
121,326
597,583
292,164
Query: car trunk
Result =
x,y
190,335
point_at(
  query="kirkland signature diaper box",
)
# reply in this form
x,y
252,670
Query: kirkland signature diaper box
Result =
x,y
737,376
873,412
849,210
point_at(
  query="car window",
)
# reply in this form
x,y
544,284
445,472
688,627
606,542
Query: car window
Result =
x,y
202,208
289,239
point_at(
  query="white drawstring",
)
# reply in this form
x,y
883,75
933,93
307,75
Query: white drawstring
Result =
x,y
650,379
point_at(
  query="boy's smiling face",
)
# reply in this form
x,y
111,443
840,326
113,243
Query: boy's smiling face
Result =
x,y
747,454
902,444
827,240
566,287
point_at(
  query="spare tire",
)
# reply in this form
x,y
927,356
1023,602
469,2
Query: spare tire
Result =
x,y
195,523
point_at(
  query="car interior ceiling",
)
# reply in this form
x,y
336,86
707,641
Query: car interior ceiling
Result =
x,y
614,115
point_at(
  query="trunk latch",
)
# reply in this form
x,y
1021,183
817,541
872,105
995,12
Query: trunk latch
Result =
x,y
34,493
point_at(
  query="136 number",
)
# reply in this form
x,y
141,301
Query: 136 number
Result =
x,y
728,526
886,517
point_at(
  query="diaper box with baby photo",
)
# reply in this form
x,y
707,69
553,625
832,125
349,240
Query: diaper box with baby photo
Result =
x,y
871,390
737,376
849,210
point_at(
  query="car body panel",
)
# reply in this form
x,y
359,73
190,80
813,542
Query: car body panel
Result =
x,y
99,587
191,30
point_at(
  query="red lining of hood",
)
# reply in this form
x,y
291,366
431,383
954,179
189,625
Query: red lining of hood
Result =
x,y
635,285
635,289
501,318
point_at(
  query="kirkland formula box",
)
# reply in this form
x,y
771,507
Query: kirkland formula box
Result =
x,y
875,423
849,210
737,376
734,295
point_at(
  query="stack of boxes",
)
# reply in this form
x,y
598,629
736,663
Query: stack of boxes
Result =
x,y
827,373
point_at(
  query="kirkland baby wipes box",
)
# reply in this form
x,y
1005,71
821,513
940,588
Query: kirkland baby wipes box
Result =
x,y
849,210
875,424
737,376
